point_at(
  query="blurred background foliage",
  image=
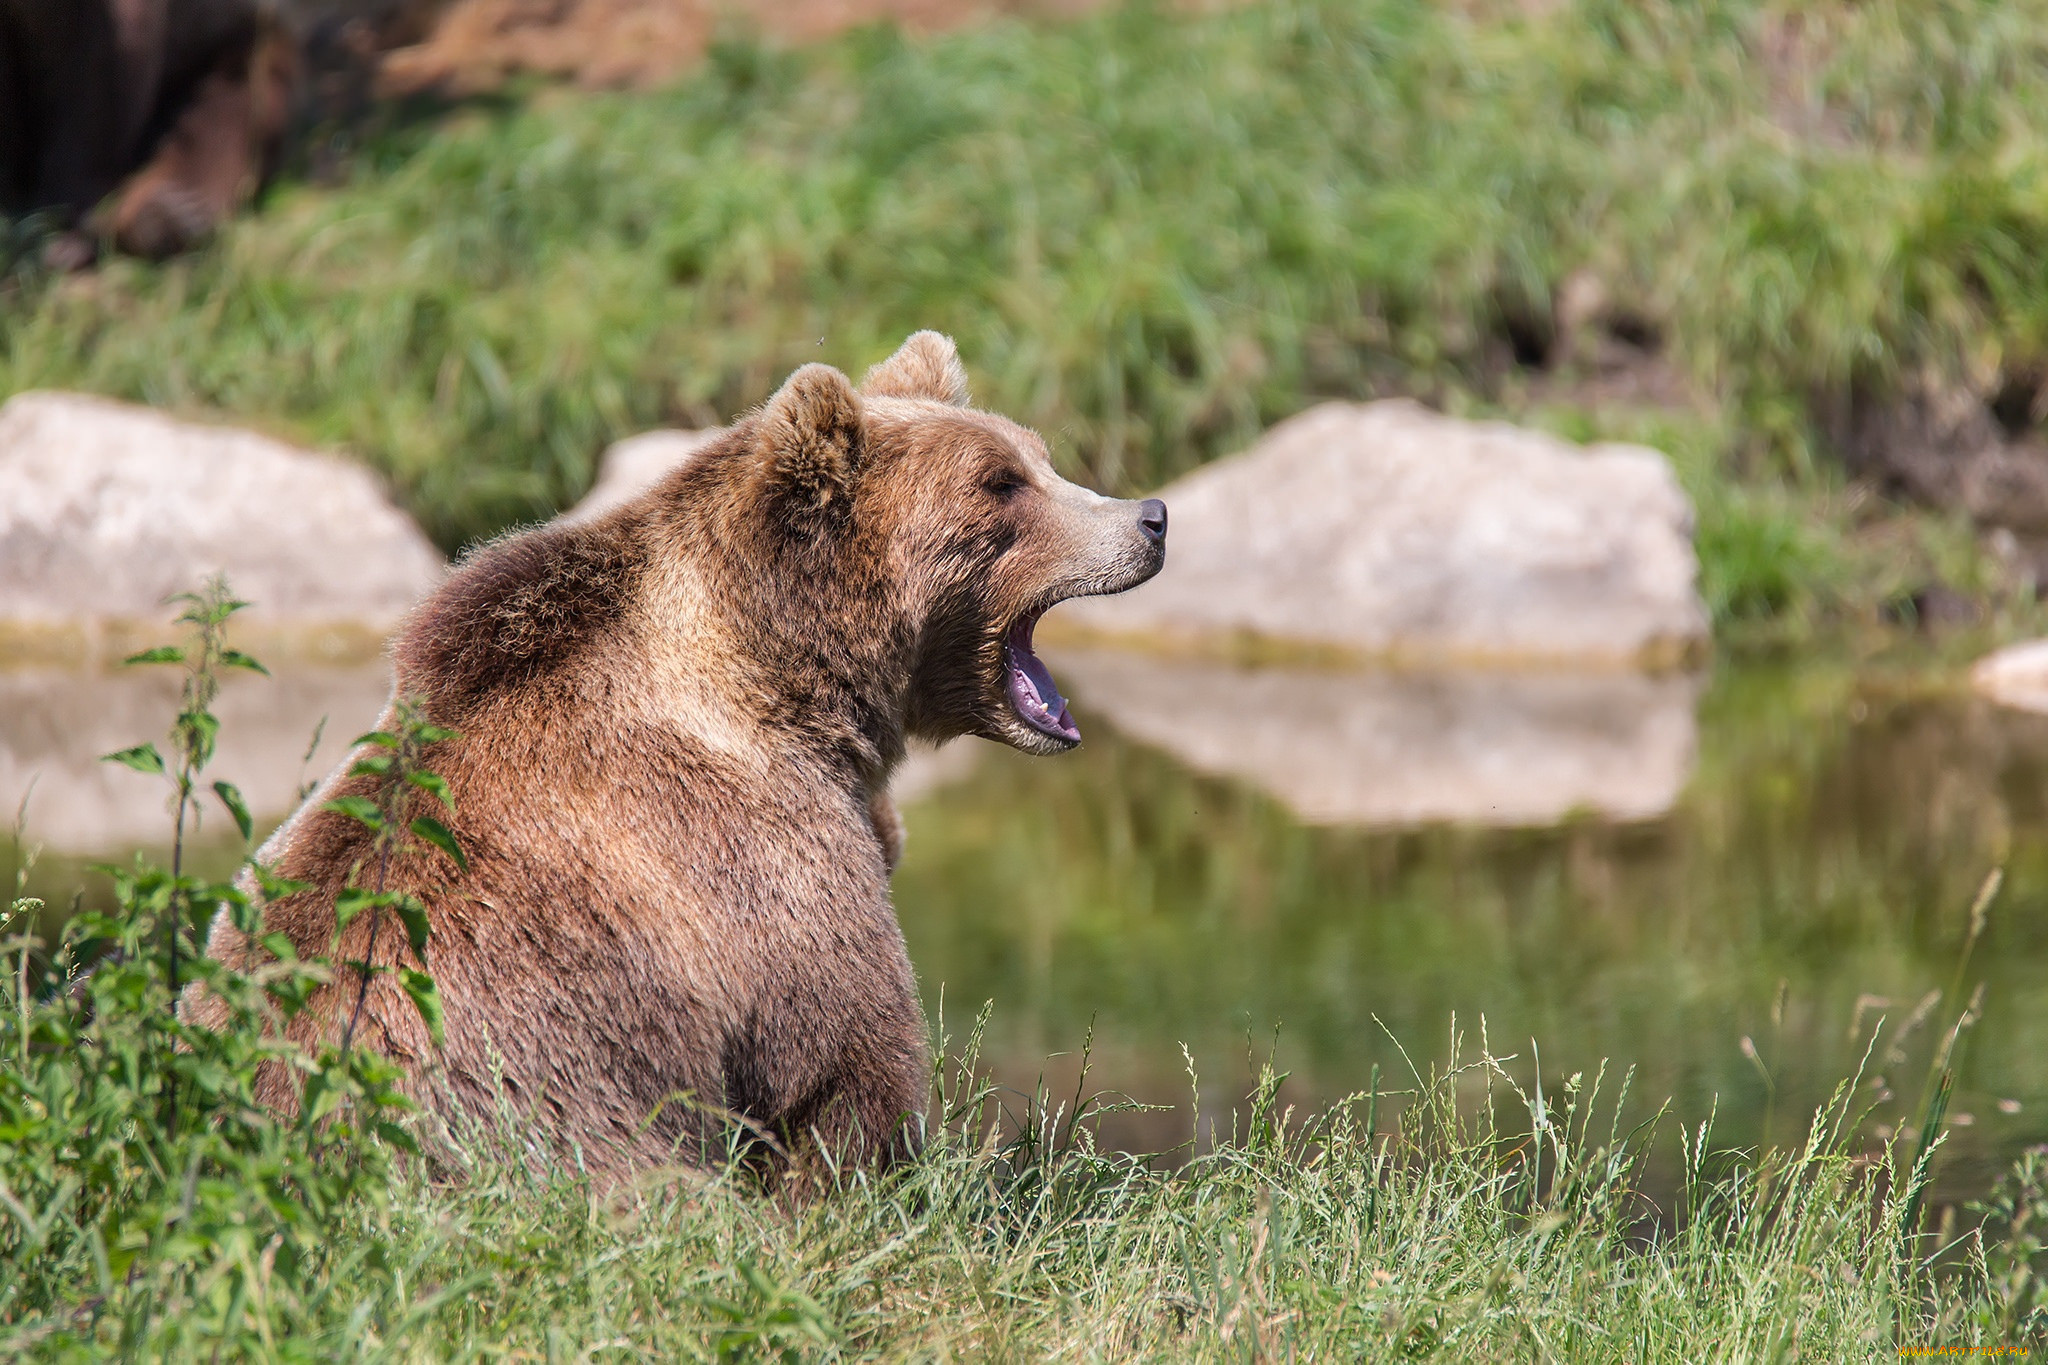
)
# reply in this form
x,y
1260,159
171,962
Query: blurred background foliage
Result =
x,y
1155,231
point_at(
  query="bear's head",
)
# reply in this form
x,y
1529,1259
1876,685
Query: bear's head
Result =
x,y
847,568
949,529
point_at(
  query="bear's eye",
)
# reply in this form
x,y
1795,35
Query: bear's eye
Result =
x,y
1003,485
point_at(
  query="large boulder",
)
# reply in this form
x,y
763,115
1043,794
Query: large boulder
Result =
x,y
1385,531
106,510
56,722
2016,676
634,465
1399,747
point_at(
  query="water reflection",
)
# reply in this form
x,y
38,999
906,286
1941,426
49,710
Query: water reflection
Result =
x,y
1408,748
1825,850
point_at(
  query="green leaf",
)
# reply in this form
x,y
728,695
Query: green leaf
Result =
x,y
235,658
231,797
435,783
143,758
207,610
414,916
274,887
199,913
292,991
162,654
436,833
319,1099
396,1136
360,809
352,901
371,765
377,737
426,998
434,734
201,728
246,914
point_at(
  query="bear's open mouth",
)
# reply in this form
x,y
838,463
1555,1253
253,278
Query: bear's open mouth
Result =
x,y
1033,693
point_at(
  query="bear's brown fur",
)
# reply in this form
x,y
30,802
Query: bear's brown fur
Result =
x,y
677,725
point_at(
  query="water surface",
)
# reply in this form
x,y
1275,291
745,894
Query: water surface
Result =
x,y
1316,866
1344,862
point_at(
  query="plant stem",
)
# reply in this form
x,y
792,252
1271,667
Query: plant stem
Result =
x,y
177,918
21,1001
370,952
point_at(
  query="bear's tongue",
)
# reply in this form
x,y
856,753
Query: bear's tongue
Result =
x,y
1032,691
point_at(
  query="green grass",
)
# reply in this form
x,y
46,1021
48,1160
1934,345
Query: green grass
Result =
x,y
1153,234
1355,1237
1791,560
1419,1222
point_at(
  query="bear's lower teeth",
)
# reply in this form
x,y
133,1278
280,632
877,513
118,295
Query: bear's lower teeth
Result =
x,y
1033,693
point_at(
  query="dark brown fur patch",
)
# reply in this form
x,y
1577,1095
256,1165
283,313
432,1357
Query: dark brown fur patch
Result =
x,y
229,134
515,610
191,96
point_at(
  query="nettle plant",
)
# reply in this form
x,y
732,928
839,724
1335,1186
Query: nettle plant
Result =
x,y
145,1196
396,758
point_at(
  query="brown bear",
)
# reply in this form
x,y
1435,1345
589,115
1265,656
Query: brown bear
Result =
x,y
186,101
676,728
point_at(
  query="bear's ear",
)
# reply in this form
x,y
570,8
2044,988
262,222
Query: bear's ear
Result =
x,y
810,441
926,366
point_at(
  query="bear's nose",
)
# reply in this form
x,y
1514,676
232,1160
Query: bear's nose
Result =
x,y
1152,519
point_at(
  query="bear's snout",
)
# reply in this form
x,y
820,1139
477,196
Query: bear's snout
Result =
x,y
1152,520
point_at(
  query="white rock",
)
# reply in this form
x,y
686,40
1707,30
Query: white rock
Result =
x,y
634,465
1383,530
1399,748
2016,676
925,770
55,724
106,510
